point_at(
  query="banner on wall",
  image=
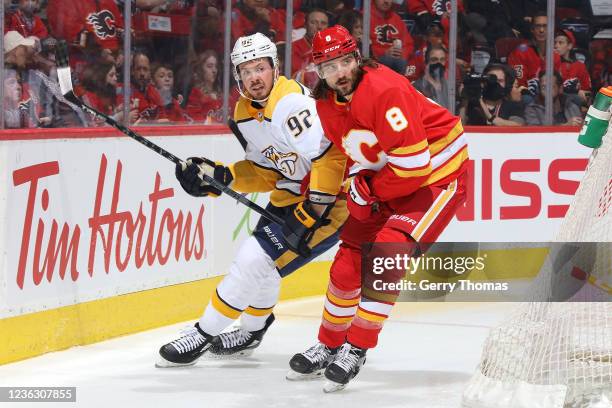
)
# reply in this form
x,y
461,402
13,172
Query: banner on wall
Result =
x,y
85,219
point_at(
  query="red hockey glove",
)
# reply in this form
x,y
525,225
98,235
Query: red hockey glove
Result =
x,y
360,200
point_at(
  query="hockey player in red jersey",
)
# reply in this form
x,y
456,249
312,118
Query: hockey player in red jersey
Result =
x,y
410,158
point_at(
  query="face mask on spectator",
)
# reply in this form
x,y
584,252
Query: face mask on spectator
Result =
x,y
436,70
493,91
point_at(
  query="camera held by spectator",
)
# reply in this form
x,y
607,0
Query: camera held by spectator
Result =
x,y
486,98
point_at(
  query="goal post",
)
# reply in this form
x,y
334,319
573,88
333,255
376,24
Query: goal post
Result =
x,y
559,354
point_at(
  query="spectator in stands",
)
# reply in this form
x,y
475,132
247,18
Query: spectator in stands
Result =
x,y
86,22
433,83
527,59
16,49
416,62
163,6
253,16
203,95
21,109
163,79
302,67
575,76
25,21
489,103
392,44
100,85
144,96
353,22
426,11
566,108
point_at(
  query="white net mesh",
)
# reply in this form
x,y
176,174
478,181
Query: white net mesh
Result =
x,y
553,354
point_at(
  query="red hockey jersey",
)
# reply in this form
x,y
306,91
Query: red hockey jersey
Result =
x,y
99,18
387,27
17,21
389,127
574,71
527,64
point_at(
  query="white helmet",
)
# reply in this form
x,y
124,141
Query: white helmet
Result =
x,y
252,47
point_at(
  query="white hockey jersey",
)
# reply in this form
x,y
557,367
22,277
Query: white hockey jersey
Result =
x,y
283,139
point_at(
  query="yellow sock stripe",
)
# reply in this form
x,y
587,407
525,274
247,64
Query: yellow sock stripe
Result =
x,y
379,296
343,302
336,320
253,311
370,316
223,308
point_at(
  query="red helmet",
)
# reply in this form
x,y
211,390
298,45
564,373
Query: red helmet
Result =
x,y
333,42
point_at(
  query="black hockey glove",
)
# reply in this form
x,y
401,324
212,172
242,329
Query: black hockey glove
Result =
x,y
189,174
300,226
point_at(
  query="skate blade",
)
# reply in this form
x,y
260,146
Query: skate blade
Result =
x,y
331,386
234,356
163,363
295,376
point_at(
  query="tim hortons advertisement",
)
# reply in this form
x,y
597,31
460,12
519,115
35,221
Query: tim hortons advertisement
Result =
x,y
84,219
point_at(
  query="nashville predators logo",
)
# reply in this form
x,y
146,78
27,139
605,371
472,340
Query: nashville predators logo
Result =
x,y
384,33
285,162
103,24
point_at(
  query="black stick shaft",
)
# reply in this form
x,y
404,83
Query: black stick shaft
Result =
x,y
160,150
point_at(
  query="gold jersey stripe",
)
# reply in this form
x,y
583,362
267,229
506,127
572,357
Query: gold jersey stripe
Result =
x,y
410,149
370,316
441,143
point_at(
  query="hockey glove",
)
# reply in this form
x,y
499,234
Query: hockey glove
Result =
x,y
360,201
189,174
300,226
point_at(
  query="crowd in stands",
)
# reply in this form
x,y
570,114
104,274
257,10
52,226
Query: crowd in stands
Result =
x,y
177,56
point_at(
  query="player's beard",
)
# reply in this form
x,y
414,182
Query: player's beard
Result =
x,y
346,85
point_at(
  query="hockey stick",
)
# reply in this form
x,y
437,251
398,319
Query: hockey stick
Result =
x,y
65,82
231,123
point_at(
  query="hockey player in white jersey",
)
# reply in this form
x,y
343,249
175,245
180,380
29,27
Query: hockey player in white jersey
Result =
x,y
285,144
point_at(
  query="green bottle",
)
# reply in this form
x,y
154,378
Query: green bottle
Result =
x,y
597,119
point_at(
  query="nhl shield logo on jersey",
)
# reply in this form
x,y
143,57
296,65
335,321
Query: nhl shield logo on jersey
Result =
x,y
285,162
103,23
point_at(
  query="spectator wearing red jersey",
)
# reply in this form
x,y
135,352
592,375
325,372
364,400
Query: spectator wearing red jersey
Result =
x,y
428,10
163,79
25,21
256,16
144,97
302,67
203,100
527,59
84,21
416,62
574,73
392,44
100,85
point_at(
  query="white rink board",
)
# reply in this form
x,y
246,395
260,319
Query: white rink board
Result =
x,y
74,167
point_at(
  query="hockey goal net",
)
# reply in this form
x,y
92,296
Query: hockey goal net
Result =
x,y
559,354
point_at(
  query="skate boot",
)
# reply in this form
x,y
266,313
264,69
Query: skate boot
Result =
x,y
344,368
239,342
311,363
186,350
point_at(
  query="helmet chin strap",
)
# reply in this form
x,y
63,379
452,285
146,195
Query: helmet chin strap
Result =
x,y
244,94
